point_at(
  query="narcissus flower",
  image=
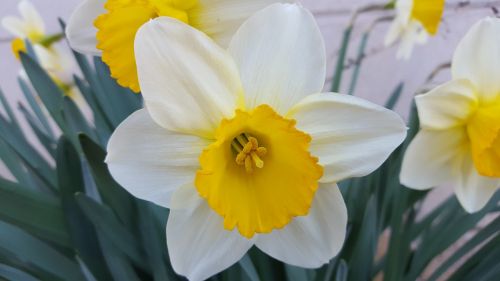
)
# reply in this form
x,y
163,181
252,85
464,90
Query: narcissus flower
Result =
x,y
415,21
108,27
459,142
242,146
52,58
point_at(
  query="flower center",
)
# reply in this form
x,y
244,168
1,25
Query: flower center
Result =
x,y
117,28
251,196
248,152
483,129
428,13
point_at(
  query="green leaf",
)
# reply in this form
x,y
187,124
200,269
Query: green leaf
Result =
x,y
37,212
492,229
31,250
339,68
14,274
50,94
82,232
106,223
154,242
359,62
118,264
35,107
394,98
112,193
366,244
31,157
249,268
342,271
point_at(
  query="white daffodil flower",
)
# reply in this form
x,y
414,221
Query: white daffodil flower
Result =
x,y
242,146
459,140
29,27
108,27
52,57
415,21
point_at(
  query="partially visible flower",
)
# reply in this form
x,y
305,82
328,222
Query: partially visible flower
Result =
x,y
108,27
459,140
29,27
415,21
242,146
56,61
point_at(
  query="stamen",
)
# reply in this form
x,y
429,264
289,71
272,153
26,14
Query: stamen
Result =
x,y
257,161
248,153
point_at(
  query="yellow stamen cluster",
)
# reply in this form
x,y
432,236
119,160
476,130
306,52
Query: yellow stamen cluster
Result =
x,y
248,152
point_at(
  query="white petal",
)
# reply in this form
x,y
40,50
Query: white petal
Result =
x,y
15,26
433,158
448,105
81,31
31,16
220,19
352,137
473,190
394,32
281,56
151,162
198,244
312,240
188,82
477,57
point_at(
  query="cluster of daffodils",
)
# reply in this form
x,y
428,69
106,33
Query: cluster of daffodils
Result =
x,y
51,56
459,142
415,21
239,143
107,28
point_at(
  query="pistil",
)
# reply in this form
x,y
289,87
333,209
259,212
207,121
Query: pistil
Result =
x,y
249,154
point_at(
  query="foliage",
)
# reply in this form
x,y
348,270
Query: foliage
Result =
x,y
65,218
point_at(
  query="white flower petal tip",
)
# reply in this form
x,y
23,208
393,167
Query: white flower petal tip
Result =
x,y
80,31
477,58
166,160
432,158
220,19
473,191
448,105
313,240
198,244
203,85
293,66
351,136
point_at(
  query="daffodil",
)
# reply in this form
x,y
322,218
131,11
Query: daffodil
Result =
x,y
29,27
415,21
241,144
52,57
459,141
108,27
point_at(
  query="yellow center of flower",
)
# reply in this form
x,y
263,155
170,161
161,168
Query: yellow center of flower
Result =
x,y
483,129
117,29
258,174
428,13
18,46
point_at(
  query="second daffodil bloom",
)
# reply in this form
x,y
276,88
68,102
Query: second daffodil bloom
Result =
x,y
242,146
459,141
415,21
51,56
108,27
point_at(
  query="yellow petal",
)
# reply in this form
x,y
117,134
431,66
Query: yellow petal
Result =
x,y
115,37
258,197
18,45
484,134
117,29
429,13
